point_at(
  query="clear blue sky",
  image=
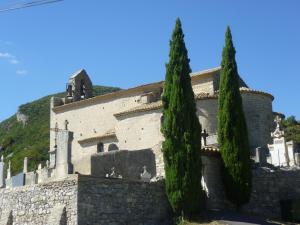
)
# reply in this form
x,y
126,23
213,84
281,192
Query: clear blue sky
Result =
x,y
126,43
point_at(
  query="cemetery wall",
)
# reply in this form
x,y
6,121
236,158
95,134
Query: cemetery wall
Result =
x,y
269,188
117,201
37,204
82,200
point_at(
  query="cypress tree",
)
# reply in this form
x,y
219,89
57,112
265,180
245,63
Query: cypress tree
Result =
x,y
232,130
182,130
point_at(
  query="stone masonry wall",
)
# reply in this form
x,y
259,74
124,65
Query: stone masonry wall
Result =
x,y
85,200
117,201
38,204
269,188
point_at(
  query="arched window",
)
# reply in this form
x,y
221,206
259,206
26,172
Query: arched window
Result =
x,y
100,147
113,147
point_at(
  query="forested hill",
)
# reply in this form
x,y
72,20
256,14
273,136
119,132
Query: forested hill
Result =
x,y
27,132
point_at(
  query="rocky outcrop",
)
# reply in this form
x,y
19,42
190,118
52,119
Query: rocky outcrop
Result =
x,y
22,118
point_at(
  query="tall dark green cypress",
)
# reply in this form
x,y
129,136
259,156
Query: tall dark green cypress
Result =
x,y
232,130
182,130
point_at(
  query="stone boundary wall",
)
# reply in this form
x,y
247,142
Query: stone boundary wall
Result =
x,y
39,204
117,201
269,188
85,200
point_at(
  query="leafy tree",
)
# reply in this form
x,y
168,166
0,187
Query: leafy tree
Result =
x,y
182,130
292,130
232,130
290,121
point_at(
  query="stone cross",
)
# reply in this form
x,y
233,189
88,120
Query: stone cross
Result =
x,y
278,133
25,167
56,130
204,135
277,120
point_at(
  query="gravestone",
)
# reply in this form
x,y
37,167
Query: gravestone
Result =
x,y
25,167
278,150
297,159
18,180
30,178
261,156
2,172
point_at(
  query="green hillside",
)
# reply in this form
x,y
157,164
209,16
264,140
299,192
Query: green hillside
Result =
x,y
32,140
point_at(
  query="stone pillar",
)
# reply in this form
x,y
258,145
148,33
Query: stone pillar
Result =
x,y
25,167
2,182
63,154
297,159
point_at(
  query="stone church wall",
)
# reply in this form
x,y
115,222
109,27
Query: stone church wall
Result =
x,y
207,110
259,117
258,113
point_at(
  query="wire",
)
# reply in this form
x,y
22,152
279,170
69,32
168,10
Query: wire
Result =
x,y
22,5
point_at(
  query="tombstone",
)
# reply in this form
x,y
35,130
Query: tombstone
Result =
x,y
52,157
297,159
31,178
25,167
145,176
278,150
8,181
261,156
18,180
63,165
9,170
2,183
42,174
